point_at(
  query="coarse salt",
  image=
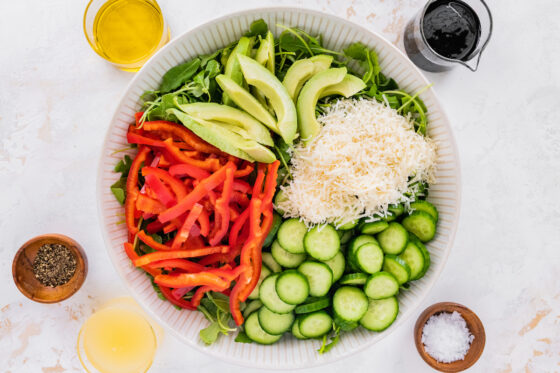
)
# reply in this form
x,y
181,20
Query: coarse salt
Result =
x,y
446,337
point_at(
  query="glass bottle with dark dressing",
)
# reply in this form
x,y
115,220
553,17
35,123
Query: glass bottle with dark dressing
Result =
x,y
447,32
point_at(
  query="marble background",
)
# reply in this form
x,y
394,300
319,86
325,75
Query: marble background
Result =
x,y
56,99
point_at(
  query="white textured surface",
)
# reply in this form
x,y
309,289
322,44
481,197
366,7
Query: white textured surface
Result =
x,y
56,101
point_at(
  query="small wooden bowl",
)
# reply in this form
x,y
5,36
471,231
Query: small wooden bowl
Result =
x,y
473,323
22,270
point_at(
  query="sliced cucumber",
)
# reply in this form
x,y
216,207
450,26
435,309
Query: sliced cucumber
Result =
x,y
292,287
346,237
422,224
348,226
427,260
285,258
369,258
374,227
278,198
275,323
290,236
313,304
354,279
295,330
380,314
265,272
322,242
254,331
381,285
319,276
337,265
350,303
345,325
397,267
393,240
270,298
421,205
268,259
414,257
316,324
251,307
394,212
353,247
276,221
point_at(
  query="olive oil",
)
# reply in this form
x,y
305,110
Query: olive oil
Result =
x,y
128,32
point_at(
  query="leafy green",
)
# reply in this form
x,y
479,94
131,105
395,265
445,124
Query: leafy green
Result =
x,y
333,342
119,187
215,307
257,28
178,75
243,338
124,165
367,58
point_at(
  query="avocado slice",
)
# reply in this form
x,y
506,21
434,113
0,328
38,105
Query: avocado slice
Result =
x,y
232,69
271,55
308,97
261,57
349,86
321,62
246,101
225,139
297,75
227,114
258,76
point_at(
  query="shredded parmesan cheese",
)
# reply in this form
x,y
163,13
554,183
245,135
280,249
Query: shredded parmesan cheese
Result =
x,y
365,157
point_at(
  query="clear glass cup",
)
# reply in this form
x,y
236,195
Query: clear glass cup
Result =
x,y
125,32
426,58
118,338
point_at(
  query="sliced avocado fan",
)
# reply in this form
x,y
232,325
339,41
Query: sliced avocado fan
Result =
x,y
302,70
232,68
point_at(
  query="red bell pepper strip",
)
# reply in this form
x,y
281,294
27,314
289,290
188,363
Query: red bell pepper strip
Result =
x,y
134,138
176,185
154,227
199,293
204,222
163,193
209,164
181,170
132,189
241,186
196,195
178,131
182,280
168,294
129,250
185,230
148,240
245,171
183,264
236,227
178,254
222,208
240,198
233,213
227,272
149,205
137,117
180,292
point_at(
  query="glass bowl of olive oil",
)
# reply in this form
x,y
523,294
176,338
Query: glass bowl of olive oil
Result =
x,y
125,32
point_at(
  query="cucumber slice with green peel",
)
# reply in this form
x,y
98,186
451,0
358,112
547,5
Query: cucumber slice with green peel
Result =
x,y
270,298
348,226
414,257
381,285
346,326
291,234
374,227
316,324
354,279
346,237
276,221
322,243
265,272
337,265
313,304
353,247
422,224
257,334
427,260
251,307
421,205
380,314
397,267
295,330
271,263
279,198
275,323
369,258
319,276
394,211
350,303
292,287
285,258
393,240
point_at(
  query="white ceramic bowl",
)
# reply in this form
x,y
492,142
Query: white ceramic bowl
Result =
x,y
337,34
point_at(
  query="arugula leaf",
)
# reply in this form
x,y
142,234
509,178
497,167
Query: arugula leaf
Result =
x,y
243,338
258,27
205,58
119,190
178,75
124,165
333,342
210,334
215,307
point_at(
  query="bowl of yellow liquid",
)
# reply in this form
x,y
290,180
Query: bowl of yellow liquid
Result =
x,y
118,338
125,32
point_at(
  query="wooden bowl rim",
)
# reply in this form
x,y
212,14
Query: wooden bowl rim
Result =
x,y
81,269
470,358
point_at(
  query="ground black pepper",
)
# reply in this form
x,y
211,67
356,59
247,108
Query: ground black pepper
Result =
x,y
54,265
